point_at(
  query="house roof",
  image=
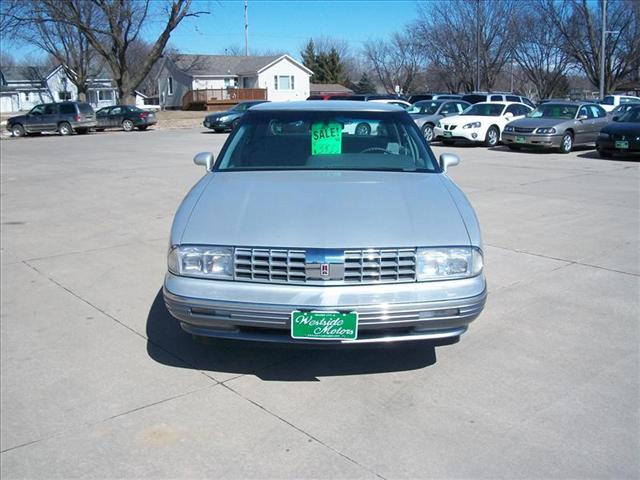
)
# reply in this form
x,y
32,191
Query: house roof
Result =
x,y
318,88
23,74
204,65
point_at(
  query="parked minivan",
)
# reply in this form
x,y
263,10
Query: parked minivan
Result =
x,y
63,117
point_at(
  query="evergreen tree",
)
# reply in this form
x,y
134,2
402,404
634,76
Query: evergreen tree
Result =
x,y
310,59
329,68
364,85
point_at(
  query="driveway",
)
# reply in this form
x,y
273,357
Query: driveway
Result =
x,y
98,381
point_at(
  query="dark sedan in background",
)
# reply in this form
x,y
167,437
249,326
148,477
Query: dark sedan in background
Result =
x,y
127,117
560,125
621,136
229,119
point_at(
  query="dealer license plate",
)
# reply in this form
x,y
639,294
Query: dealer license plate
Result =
x,y
520,139
446,134
622,144
324,325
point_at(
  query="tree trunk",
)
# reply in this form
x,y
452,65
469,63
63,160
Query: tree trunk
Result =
x,y
82,95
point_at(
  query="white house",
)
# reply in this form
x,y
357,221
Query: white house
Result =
x,y
22,88
283,78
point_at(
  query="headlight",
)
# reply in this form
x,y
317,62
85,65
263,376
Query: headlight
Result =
x,y
546,130
509,128
604,135
201,261
472,125
448,263
225,118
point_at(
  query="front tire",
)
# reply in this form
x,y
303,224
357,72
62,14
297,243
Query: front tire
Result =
x,y
17,130
65,129
427,132
493,136
127,125
566,145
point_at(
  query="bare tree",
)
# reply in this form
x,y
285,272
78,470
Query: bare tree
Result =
x,y
116,27
539,54
580,26
397,62
456,34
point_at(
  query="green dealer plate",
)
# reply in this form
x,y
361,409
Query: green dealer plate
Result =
x,y
520,139
324,325
622,144
446,134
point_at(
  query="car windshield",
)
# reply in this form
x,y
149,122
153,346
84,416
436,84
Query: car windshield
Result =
x,y
485,110
327,140
241,107
551,110
85,108
632,116
425,107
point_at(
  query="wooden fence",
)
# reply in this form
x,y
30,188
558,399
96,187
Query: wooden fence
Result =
x,y
221,96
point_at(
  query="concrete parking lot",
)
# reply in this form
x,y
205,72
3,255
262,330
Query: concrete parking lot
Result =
x,y
97,381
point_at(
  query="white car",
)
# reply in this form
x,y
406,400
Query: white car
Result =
x,y
612,101
482,122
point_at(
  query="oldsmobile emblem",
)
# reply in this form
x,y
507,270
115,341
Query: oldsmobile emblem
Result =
x,y
324,264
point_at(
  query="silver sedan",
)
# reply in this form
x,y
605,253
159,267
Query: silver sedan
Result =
x,y
426,113
303,232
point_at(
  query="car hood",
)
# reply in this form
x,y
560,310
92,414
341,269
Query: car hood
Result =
x,y
464,119
223,114
622,128
538,122
16,119
325,209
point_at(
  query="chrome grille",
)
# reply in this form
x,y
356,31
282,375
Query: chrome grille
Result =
x,y
524,130
362,266
380,265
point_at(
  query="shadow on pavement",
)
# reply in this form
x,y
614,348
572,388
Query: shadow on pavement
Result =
x,y
594,155
168,344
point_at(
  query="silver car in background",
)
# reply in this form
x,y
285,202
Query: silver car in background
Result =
x,y
560,125
303,232
426,113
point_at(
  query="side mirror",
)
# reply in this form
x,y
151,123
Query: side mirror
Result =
x,y
448,160
508,115
205,159
582,117
615,119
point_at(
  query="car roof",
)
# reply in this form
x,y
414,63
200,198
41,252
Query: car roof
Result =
x,y
324,106
570,102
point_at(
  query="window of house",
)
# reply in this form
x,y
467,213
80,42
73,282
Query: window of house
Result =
x,y
170,86
105,95
230,82
63,96
283,82
27,96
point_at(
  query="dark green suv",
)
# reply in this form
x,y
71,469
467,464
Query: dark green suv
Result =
x,y
63,117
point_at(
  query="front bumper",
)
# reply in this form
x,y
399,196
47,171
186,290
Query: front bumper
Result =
x,y
387,312
531,140
461,134
609,145
217,125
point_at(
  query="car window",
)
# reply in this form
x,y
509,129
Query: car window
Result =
x,y
629,100
67,109
528,102
116,111
425,107
608,100
49,109
474,98
103,111
460,106
449,107
513,109
632,116
597,111
327,140
485,109
512,98
585,111
554,110
37,110
496,98
85,108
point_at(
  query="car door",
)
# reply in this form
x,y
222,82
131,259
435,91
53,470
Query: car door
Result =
x,y
583,125
102,117
600,120
50,117
34,119
116,116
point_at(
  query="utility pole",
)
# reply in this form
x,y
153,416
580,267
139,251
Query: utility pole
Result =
x,y
477,45
246,28
602,45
